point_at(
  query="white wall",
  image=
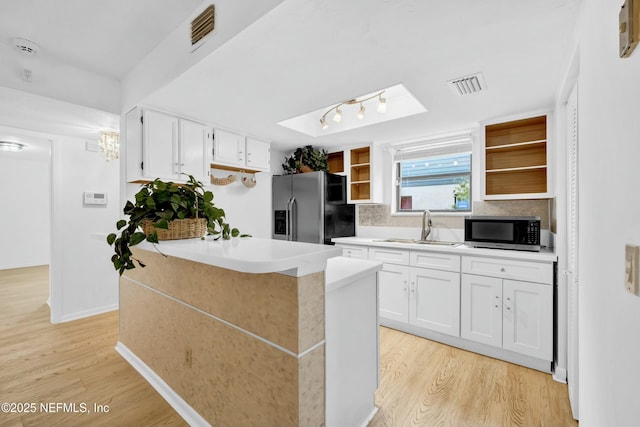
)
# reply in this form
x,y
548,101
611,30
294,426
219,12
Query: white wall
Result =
x,y
25,220
83,280
609,168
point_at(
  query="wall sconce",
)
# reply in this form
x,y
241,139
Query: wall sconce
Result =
x,y
382,108
110,144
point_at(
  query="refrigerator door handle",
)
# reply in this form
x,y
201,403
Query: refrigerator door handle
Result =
x,y
287,220
291,221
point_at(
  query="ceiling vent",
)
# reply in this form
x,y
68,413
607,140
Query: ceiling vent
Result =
x,y
26,46
203,25
468,85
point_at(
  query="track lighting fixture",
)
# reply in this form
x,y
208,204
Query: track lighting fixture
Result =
x,y
382,107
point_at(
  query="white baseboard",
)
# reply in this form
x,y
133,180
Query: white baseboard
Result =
x,y
560,375
173,399
88,313
370,417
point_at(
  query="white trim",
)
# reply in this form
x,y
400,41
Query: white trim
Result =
x,y
88,313
173,399
370,416
560,375
251,334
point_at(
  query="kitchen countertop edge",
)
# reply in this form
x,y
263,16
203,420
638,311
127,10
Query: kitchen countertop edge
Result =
x,y
545,255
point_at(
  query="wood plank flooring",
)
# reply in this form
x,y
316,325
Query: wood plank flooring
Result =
x,y
68,363
423,383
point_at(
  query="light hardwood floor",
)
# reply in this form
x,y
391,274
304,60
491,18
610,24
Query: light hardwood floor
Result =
x,y
69,363
423,383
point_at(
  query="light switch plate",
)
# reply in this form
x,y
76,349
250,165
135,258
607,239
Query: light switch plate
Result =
x,y
631,265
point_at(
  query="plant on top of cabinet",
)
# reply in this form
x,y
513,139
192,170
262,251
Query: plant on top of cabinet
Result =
x,y
167,211
306,159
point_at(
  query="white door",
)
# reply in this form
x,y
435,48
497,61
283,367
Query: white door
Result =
x,y
194,149
481,309
258,154
160,146
393,282
434,300
228,148
527,322
572,250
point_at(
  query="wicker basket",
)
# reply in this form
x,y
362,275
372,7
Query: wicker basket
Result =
x,y
187,228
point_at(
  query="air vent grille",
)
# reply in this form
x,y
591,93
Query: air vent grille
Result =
x,y
203,24
468,85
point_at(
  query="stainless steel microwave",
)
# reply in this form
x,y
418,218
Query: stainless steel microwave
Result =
x,y
520,233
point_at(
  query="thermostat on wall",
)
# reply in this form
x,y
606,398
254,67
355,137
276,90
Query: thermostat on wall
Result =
x,y
95,198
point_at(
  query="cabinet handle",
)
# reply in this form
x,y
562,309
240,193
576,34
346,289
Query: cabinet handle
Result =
x,y
502,269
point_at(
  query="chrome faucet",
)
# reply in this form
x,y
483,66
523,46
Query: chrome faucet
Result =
x,y
426,225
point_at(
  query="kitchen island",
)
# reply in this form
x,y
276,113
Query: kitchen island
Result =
x,y
233,332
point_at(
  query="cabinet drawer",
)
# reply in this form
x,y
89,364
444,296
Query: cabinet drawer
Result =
x,y
528,271
355,251
435,260
392,256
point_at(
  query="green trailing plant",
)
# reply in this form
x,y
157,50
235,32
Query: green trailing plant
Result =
x,y
161,202
313,158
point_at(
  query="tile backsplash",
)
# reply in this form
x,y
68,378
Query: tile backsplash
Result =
x,y
380,215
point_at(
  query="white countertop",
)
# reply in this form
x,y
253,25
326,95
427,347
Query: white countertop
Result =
x,y
250,254
341,271
545,255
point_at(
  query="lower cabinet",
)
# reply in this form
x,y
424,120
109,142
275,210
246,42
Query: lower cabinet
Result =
x,y
393,285
514,315
422,297
501,307
434,300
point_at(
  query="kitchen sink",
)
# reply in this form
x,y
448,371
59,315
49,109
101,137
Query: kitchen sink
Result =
x,y
420,242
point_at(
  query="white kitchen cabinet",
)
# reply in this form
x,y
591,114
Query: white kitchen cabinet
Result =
x,y
514,315
354,251
258,154
393,282
481,309
161,145
527,325
196,141
229,148
434,300
237,151
424,297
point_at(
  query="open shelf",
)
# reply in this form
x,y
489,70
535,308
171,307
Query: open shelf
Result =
x,y
516,157
336,162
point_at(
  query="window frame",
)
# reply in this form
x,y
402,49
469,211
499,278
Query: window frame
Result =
x,y
429,153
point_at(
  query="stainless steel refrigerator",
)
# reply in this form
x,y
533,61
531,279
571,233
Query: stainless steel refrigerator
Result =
x,y
311,207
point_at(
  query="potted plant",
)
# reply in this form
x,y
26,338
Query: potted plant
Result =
x,y
306,159
166,211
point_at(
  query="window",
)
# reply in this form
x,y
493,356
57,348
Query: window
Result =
x,y
436,176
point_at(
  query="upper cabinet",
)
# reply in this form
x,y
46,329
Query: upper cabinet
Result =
x,y
358,165
160,145
228,148
232,150
516,159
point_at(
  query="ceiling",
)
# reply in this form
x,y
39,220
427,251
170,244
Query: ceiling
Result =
x,y
305,55
107,37
308,54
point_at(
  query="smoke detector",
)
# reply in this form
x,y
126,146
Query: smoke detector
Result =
x,y
26,46
468,84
